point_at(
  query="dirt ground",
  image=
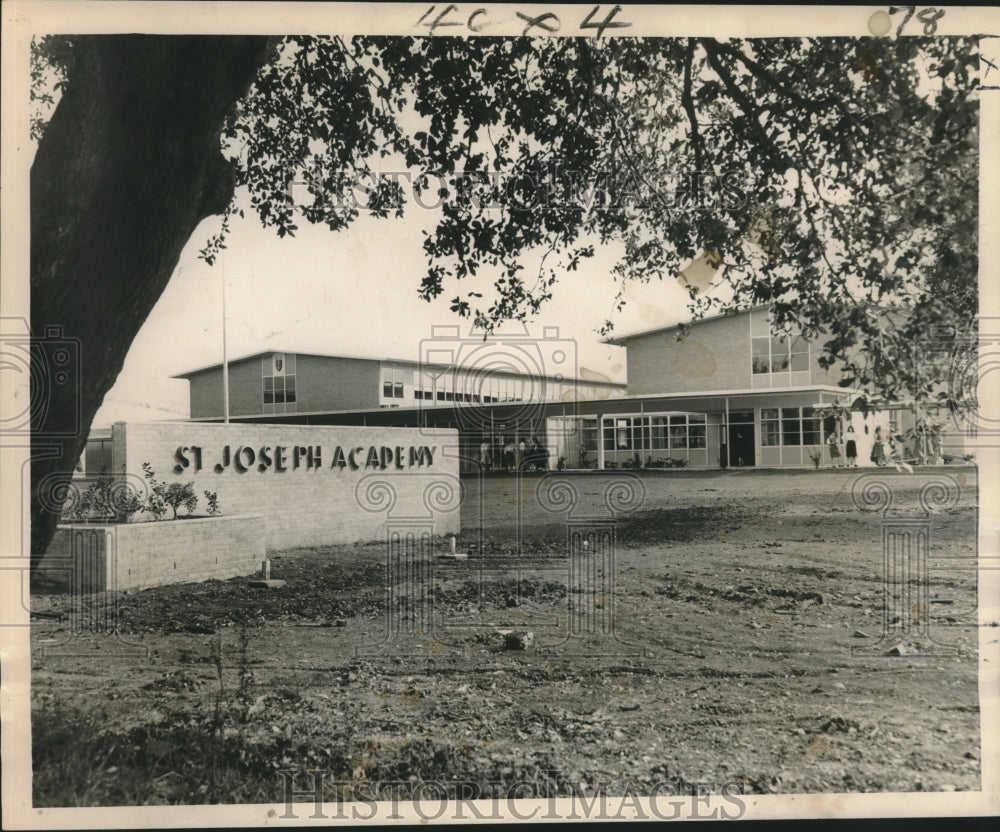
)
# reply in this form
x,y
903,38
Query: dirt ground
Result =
x,y
731,632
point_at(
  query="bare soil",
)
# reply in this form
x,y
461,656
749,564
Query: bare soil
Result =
x,y
742,641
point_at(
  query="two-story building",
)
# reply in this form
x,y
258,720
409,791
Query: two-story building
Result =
x,y
728,392
281,383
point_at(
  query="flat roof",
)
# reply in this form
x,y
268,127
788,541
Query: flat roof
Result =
x,y
618,340
410,361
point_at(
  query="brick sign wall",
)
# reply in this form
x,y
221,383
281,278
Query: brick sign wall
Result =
x,y
312,484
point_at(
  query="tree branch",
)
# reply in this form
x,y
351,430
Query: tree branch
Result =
x,y
688,103
737,95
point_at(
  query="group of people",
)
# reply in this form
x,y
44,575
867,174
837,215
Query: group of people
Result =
x,y
510,456
885,449
850,448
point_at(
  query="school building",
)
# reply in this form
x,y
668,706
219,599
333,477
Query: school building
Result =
x,y
731,392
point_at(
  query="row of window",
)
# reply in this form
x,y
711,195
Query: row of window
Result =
x,y
449,387
654,433
278,385
785,426
449,396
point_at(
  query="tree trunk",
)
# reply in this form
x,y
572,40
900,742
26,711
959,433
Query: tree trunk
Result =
x,y
128,166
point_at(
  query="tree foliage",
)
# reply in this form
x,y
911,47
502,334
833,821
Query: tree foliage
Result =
x,y
827,177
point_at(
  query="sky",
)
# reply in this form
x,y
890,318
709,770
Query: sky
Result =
x,y
351,292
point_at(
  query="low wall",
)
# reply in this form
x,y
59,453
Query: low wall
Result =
x,y
314,485
98,558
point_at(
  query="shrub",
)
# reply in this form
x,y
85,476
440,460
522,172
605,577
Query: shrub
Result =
x,y
162,496
108,500
181,495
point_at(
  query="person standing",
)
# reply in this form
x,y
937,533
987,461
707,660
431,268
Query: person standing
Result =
x,y
834,449
878,448
851,447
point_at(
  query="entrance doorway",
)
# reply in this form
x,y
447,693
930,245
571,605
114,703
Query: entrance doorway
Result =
x,y
741,440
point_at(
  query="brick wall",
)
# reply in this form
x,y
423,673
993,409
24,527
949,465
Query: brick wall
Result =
x,y
714,356
307,505
246,391
321,383
139,555
325,383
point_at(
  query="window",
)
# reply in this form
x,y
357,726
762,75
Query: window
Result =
x,y
392,383
799,355
789,426
811,429
97,457
463,387
697,432
761,355
278,383
655,433
424,386
678,431
588,433
770,427
623,433
778,353
660,433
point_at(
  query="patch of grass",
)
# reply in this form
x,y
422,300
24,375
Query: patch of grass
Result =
x,y
77,761
202,756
